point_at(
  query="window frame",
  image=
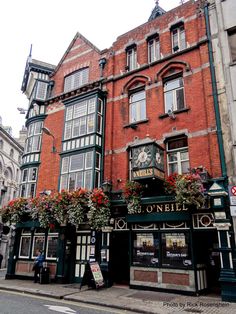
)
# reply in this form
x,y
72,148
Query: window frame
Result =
x,y
76,79
25,235
131,58
154,44
178,151
175,106
178,30
140,102
37,235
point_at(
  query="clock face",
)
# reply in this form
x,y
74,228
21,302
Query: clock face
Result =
x,y
142,156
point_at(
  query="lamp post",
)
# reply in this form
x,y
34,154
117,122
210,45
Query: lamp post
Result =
x,y
48,132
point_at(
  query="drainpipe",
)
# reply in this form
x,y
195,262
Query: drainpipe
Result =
x,y
215,95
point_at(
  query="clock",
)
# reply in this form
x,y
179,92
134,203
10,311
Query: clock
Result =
x,y
142,156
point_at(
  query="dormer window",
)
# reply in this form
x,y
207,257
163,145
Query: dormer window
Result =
x,y
178,38
153,48
76,79
131,55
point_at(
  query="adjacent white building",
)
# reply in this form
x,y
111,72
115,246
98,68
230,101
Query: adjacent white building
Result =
x,y
10,160
222,17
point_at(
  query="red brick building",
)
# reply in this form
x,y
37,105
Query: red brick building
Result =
x,y
140,111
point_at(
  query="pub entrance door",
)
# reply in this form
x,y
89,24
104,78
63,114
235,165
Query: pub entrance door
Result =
x,y
120,267
82,253
207,253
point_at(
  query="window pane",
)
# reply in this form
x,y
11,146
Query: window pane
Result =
x,y
99,124
169,105
36,143
91,105
76,128
173,168
97,161
65,165
137,96
41,90
172,157
32,187
24,246
77,162
173,84
68,128
175,250
38,128
38,244
145,249
72,181
180,98
69,113
89,160
79,180
182,39
63,183
23,190
82,126
177,143
52,247
80,109
184,155
88,179
25,175
185,166
91,123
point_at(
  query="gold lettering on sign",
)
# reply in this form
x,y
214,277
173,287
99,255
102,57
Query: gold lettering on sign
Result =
x,y
167,207
143,173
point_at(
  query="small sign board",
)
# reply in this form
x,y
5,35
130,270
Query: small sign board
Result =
x,y
92,276
233,211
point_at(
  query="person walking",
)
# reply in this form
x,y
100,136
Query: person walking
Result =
x,y
38,264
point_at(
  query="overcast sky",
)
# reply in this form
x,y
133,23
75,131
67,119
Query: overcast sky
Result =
x,y
50,26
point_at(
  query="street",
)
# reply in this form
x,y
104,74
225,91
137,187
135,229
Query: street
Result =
x,y
13,302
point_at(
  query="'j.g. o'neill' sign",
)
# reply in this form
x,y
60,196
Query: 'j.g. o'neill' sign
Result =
x,y
162,208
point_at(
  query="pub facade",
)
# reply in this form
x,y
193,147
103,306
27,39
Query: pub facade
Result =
x,y
129,118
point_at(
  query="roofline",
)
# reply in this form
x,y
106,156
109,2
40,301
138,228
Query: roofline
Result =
x,y
11,138
77,35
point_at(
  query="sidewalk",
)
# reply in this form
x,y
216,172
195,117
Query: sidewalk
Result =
x,y
138,301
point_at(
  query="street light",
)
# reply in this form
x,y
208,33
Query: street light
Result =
x,y
48,132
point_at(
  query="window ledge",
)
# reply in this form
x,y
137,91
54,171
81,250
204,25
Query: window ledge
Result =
x,y
135,125
165,115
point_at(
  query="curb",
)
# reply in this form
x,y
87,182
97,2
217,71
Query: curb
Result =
x,y
69,297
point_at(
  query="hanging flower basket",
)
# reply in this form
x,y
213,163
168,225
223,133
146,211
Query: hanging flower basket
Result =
x,y
15,211
77,207
187,188
132,195
99,209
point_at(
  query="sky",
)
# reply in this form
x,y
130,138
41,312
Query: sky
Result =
x,y
50,26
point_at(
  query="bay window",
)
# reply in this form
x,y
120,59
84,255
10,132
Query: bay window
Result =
x,y
33,140
77,171
80,119
28,182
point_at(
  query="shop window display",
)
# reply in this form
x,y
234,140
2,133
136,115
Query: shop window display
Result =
x,y
146,248
175,250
